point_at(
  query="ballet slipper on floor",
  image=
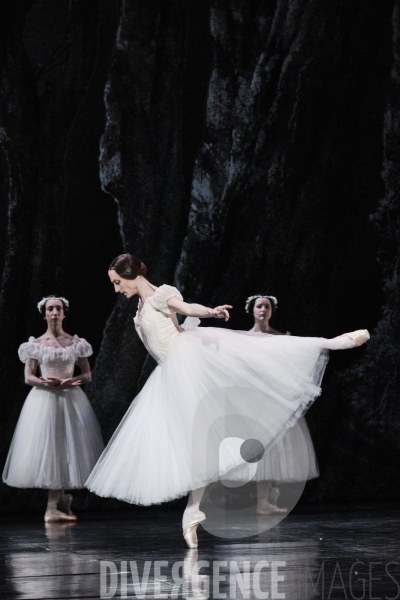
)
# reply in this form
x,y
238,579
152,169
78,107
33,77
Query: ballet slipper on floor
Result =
x,y
189,533
54,515
265,508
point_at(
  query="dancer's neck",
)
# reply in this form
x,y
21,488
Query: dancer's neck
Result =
x,y
261,327
55,330
145,289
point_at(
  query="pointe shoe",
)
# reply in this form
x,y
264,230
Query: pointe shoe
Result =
x,y
54,515
189,533
359,337
265,508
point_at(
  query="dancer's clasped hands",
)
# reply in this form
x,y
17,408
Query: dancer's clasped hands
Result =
x,y
60,383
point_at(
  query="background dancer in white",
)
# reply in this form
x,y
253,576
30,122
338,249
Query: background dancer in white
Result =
x,y
293,457
57,440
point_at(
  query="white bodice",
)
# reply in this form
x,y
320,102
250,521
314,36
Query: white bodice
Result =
x,y
58,368
55,362
156,325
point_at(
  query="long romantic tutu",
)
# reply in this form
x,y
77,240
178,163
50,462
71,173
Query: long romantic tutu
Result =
x,y
292,458
213,385
56,443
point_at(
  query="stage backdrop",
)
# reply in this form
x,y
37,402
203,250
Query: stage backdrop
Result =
x,y
235,147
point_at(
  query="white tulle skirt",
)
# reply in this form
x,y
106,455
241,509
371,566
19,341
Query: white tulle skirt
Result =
x,y
56,443
215,385
292,458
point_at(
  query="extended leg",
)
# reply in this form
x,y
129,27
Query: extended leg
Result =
x,y
342,342
345,341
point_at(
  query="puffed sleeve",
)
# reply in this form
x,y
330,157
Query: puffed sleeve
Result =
x,y
82,348
29,349
161,295
190,323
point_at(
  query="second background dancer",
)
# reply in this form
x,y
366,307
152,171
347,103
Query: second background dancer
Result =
x,y
293,457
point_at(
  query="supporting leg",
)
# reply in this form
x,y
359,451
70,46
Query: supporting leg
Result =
x,y
192,506
192,517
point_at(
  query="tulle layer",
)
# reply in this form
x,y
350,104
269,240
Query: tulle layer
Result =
x,y
56,443
291,459
214,384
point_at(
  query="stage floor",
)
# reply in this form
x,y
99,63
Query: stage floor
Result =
x,y
318,552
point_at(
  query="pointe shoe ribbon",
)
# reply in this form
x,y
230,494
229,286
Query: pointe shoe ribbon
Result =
x,y
359,337
189,533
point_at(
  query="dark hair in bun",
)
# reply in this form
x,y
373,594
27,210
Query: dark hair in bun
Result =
x,y
127,266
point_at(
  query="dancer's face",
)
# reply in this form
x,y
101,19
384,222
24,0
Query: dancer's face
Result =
x,y
127,287
262,310
54,311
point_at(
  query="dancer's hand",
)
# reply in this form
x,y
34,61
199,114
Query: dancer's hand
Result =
x,y
221,312
60,384
50,381
69,383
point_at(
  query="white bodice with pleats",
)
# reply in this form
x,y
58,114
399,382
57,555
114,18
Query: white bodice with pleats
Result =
x,y
157,326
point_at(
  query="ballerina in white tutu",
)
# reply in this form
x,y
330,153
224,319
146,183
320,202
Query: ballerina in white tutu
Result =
x,y
57,440
292,458
208,380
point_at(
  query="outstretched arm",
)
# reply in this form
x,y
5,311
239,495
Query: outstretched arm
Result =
x,y
198,310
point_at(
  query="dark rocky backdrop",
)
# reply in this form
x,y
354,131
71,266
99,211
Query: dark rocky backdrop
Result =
x,y
235,147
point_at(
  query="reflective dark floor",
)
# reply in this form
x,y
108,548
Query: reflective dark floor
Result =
x,y
315,553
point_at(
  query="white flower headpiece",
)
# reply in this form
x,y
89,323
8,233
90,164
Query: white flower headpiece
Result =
x,y
44,300
250,298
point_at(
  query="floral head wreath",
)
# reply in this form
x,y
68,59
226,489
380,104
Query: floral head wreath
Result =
x,y
44,300
250,298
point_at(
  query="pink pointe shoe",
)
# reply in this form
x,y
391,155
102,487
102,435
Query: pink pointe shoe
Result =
x,y
359,337
189,533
